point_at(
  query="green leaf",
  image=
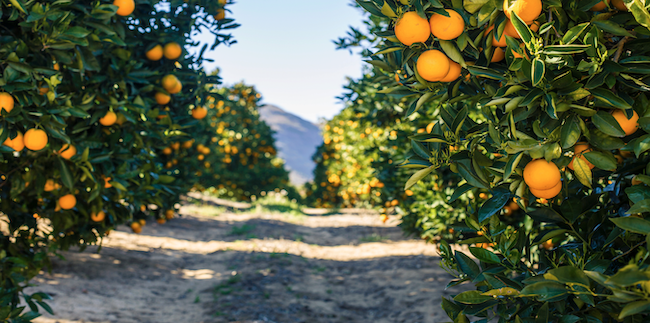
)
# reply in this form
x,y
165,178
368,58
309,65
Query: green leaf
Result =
x,y
606,123
634,308
601,160
66,176
503,291
472,6
610,98
493,205
639,11
511,165
538,69
467,265
570,133
484,255
628,276
20,5
522,29
568,274
452,51
582,172
470,177
419,175
564,49
544,291
472,297
460,191
640,207
633,224
612,27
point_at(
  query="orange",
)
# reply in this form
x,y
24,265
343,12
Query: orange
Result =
x,y
67,201
142,222
630,126
547,194
619,4
205,150
135,227
501,42
124,7
176,145
67,151
447,28
433,65
98,217
43,90
177,88
498,55
188,144
109,119
6,102
162,98
580,149
527,10
50,185
516,54
220,15
223,2
636,181
548,244
199,113
106,182
599,6
56,67
173,50
452,75
17,143
201,157
167,151
155,54
35,139
169,82
541,175
161,221
169,214
412,28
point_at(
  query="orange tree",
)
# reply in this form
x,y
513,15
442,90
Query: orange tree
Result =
x,y
232,152
543,104
82,89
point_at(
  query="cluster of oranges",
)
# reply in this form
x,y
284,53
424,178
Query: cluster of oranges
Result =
x,y
432,65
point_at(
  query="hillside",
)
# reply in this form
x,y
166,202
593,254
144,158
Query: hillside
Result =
x,y
296,140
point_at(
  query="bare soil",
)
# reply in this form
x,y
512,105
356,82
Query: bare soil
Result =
x,y
214,265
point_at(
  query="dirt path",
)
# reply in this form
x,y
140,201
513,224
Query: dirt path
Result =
x,y
217,266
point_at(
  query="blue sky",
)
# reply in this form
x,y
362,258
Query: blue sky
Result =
x,y
285,49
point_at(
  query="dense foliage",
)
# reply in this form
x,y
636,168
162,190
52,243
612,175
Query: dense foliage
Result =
x,y
570,248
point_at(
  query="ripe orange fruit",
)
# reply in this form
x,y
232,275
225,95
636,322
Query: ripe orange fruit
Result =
x,y
6,102
619,4
580,149
17,143
177,88
599,6
547,194
188,144
161,221
433,65
50,185
167,151
199,113
527,10
43,90
630,126
56,67
67,201
501,42
498,55
453,74
548,244
636,181
541,175
124,7
172,50
106,182
35,139
98,217
109,119
142,222
155,54
223,2
162,98
201,157
220,15
169,82
412,28
447,28
169,214
67,151
136,227
483,196
176,145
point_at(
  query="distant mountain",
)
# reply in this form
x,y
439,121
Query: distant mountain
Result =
x,y
296,140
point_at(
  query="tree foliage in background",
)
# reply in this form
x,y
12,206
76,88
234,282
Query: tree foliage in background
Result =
x,y
558,95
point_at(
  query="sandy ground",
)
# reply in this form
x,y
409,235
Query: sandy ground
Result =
x,y
212,265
